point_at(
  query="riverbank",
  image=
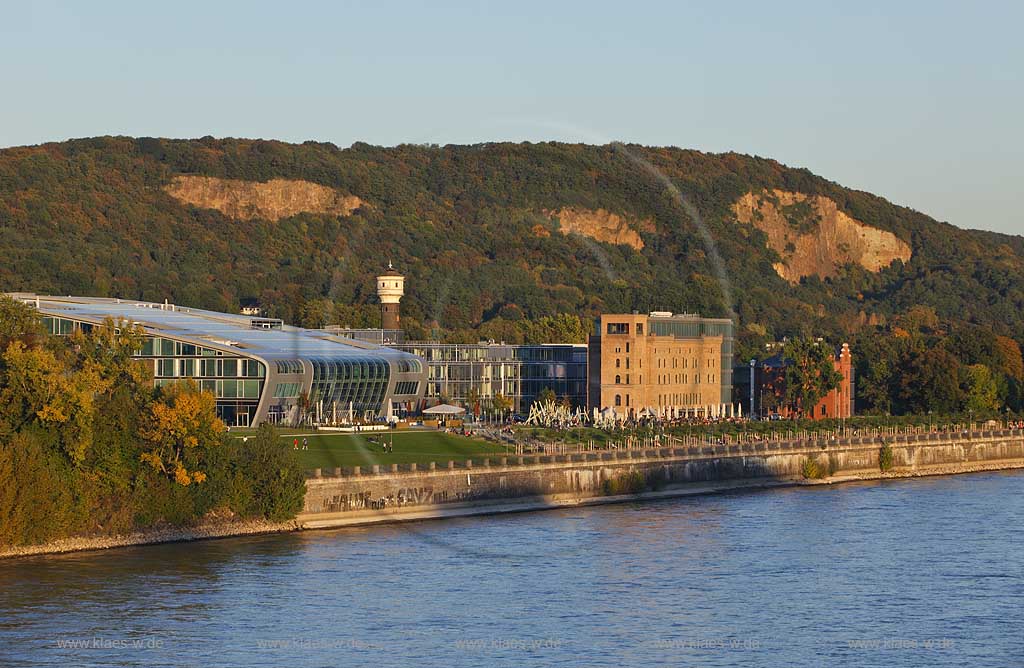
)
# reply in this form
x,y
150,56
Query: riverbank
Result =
x,y
206,531
525,484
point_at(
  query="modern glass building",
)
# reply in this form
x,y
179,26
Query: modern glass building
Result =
x,y
519,372
259,369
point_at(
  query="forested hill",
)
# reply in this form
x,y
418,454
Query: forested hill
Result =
x,y
492,237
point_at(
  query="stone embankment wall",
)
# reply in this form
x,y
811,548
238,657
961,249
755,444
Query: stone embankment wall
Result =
x,y
524,483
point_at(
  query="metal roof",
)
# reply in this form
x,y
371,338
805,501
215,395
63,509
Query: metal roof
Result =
x,y
240,334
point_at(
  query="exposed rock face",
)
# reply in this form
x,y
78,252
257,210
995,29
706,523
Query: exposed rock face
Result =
x,y
272,200
601,225
814,238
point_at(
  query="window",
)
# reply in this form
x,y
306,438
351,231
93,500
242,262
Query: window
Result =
x,y
289,366
188,368
627,379
407,387
286,391
627,346
618,328
618,399
617,361
639,329
627,362
627,399
618,380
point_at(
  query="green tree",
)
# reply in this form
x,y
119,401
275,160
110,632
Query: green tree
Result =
x,y
810,373
545,395
17,321
267,479
982,393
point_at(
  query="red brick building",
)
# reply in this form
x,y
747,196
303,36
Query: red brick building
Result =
x,y
770,388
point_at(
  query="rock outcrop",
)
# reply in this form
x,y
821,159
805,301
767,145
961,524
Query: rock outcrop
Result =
x,y
601,225
814,238
270,200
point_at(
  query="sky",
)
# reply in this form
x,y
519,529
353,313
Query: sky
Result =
x,y
919,102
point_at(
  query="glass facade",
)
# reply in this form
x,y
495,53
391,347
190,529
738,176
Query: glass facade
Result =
x,y
519,372
257,368
363,381
236,382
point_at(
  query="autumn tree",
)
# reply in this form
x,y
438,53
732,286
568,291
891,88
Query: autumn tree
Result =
x,y
501,403
182,425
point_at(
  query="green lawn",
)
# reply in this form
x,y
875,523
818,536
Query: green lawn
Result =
x,y
329,450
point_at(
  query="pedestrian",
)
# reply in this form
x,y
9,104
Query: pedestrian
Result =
x,y
295,444
305,443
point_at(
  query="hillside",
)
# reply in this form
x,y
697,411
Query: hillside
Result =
x,y
490,236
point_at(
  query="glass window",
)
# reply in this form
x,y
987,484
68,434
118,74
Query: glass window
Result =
x,y
230,368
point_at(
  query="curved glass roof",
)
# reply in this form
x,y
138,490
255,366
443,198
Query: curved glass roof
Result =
x,y
247,335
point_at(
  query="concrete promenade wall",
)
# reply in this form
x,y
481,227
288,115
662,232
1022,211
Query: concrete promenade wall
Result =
x,y
534,482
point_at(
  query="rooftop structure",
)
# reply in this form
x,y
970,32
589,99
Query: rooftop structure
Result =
x,y
258,368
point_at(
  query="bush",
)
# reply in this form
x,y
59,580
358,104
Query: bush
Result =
x,y
810,469
885,457
36,500
265,477
629,483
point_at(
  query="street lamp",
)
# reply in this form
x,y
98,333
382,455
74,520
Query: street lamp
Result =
x,y
751,412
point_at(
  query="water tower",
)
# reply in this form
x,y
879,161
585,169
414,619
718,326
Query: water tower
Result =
x,y
390,289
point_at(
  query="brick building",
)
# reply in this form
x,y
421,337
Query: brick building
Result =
x,y
770,387
663,364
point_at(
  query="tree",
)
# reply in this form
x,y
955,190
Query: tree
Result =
x,y
982,394
17,321
810,373
473,399
929,380
269,481
182,425
501,403
37,386
545,395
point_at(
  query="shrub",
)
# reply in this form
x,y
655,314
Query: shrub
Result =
x,y
629,483
885,457
810,469
265,478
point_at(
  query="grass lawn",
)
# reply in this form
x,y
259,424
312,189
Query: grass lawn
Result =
x,y
329,450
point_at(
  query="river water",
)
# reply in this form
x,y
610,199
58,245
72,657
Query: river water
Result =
x,y
925,572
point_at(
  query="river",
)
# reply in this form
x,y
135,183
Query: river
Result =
x,y
921,572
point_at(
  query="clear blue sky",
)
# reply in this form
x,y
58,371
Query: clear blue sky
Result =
x,y
920,102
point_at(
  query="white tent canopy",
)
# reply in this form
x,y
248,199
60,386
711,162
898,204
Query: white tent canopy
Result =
x,y
444,409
